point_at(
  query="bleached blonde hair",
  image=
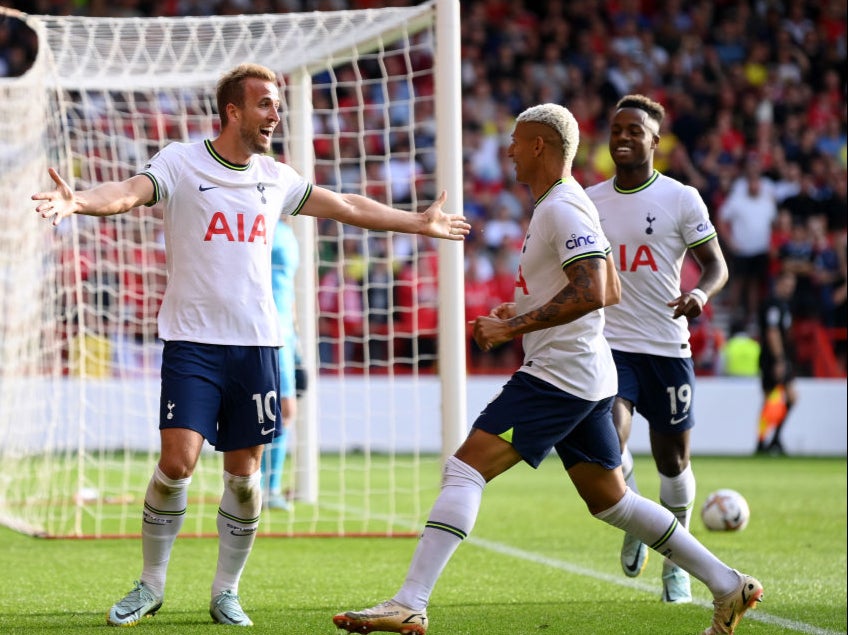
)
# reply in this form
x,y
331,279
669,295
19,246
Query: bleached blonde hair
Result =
x,y
560,119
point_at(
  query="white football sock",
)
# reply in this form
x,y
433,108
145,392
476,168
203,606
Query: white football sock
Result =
x,y
164,512
677,494
450,521
238,520
657,527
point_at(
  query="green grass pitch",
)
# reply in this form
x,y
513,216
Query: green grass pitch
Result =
x,y
536,563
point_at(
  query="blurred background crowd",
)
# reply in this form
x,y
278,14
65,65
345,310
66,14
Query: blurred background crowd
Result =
x,y
755,94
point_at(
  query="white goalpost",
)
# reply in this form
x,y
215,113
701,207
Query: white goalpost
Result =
x,y
371,105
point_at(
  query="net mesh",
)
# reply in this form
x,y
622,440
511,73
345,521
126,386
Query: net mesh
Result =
x,y
79,384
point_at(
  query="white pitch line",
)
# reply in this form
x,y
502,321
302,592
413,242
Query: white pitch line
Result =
x,y
621,580
521,554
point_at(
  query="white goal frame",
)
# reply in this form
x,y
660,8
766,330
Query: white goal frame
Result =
x,y
60,66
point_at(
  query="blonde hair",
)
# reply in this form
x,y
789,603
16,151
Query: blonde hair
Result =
x,y
230,88
560,119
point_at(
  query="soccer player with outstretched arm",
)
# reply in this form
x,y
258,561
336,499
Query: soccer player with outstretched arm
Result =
x,y
220,373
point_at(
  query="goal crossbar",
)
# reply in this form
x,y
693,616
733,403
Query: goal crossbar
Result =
x,y
162,52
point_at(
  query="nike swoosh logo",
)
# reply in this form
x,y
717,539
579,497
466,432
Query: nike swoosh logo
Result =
x,y
632,566
676,420
729,622
206,189
121,616
232,620
267,430
152,611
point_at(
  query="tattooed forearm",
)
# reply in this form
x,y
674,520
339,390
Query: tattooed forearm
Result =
x,y
582,294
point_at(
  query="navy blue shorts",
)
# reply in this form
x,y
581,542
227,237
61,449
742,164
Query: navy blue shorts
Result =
x,y
535,416
660,388
228,394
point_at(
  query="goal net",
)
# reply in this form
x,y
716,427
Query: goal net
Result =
x,y
79,354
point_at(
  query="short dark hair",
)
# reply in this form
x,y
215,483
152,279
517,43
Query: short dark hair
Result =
x,y
230,89
654,109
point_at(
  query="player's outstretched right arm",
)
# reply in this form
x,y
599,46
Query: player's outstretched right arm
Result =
x,y
103,200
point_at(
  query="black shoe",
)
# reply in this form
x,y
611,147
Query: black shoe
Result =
x,y
775,448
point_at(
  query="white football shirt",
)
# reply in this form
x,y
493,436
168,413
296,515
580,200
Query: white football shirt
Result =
x,y
650,228
219,228
575,356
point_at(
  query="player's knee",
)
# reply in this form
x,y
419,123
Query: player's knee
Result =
x,y
175,470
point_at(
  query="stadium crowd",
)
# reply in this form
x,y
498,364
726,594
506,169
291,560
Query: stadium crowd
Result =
x,y
755,94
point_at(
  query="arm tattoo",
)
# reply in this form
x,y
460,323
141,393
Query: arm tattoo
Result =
x,y
580,278
579,289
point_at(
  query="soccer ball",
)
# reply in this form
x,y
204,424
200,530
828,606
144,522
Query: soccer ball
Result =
x,y
725,510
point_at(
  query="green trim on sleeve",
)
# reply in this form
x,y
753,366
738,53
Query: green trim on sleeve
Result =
x,y
157,193
303,200
703,240
586,256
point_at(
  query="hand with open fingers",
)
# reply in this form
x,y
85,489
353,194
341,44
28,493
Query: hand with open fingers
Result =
x,y
56,204
443,225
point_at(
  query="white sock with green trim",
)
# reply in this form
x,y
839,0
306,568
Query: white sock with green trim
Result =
x,y
238,520
657,527
677,494
165,504
451,519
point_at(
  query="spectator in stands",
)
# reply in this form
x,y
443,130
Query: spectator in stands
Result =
x,y
479,299
798,255
379,303
781,233
839,300
501,230
826,276
418,310
341,321
747,216
740,356
835,206
806,203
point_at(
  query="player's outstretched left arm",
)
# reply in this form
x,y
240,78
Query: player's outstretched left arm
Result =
x,y
353,209
713,278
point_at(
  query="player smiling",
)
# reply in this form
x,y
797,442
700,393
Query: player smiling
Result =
x,y
220,372
652,221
